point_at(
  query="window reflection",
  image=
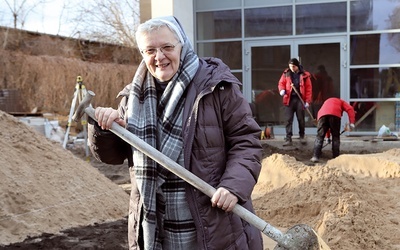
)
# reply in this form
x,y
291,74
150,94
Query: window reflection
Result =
x,y
375,49
219,24
229,52
321,18
238,75
374,83
366,115
265,73
370,116
374,15
274,21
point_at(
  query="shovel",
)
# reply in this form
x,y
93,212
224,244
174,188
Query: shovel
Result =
x,y
299,237
304,104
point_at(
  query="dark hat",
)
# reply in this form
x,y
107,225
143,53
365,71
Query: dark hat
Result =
x,y
294,61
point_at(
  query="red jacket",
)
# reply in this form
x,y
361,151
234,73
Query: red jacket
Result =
x,y
335,106
285,83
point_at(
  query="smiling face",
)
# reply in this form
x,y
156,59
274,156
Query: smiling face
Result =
x,y
164,63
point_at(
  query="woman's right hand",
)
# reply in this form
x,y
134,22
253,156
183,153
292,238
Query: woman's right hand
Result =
x,y
106,116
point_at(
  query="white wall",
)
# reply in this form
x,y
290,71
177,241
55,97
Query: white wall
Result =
x,y
181,9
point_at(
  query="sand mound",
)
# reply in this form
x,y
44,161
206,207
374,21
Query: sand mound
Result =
x,y
380,165
352,201
45,188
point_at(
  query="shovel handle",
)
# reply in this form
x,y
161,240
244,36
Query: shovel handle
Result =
x,y
193,180
362,117
301,99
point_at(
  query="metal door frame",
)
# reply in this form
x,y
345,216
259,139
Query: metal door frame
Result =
x,y
294,50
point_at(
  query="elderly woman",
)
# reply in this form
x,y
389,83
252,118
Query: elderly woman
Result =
x,y
192,110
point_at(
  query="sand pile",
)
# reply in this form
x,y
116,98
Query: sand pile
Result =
x,y
45,188
352,201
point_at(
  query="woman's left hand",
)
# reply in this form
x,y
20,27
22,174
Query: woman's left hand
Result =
x,y
224,199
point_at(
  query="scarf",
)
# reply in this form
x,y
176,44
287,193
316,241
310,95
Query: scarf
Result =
x,y
159,123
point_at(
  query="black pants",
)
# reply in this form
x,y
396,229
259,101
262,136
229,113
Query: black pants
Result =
x,y
295,107
324,123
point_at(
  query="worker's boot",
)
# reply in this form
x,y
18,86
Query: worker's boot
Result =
x,y
317,150
288,141
335,147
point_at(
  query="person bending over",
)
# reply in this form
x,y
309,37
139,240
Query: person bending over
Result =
x,y
329,119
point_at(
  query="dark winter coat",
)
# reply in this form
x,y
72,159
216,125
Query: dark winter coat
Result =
x,y
222,147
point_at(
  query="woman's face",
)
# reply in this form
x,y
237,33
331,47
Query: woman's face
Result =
x,y
161,51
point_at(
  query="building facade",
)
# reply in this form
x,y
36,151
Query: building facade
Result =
x,y
351,48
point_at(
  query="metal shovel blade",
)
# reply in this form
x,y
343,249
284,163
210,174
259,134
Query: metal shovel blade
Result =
x,y
302,237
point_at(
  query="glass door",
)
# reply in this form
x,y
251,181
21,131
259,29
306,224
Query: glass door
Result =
x,y
323,60
266,60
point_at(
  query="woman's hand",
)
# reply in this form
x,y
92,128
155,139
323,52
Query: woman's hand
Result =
x,y
223,199
106,116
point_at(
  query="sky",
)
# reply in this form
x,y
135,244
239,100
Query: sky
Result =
x,y
48,16
381,12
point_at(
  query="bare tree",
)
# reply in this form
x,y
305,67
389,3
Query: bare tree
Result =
x,y
113,21
394,22
20,10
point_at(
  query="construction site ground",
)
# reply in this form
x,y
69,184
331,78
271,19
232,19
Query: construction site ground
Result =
x,y
113,235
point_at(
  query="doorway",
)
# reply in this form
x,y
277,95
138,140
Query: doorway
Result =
x,y
265,61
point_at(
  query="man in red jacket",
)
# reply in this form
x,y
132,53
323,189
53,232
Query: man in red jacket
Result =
x,y
329,118
295,77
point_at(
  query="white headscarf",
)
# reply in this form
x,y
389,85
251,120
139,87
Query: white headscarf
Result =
x,y
159,123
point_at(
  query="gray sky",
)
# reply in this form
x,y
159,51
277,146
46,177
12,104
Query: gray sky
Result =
x,y
50,18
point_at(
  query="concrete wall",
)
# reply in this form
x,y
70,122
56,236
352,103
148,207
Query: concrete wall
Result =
x,y
145,10
181,9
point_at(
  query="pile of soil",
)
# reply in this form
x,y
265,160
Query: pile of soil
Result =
x,y
47,189
351,201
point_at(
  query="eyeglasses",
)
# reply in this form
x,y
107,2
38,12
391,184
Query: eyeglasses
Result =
x,y
164,49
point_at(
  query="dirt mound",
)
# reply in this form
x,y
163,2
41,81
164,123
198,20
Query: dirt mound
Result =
x,y
351,201
45,188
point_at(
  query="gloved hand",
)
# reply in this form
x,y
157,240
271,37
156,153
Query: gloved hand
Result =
x,y
352,126
306,105
282,92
